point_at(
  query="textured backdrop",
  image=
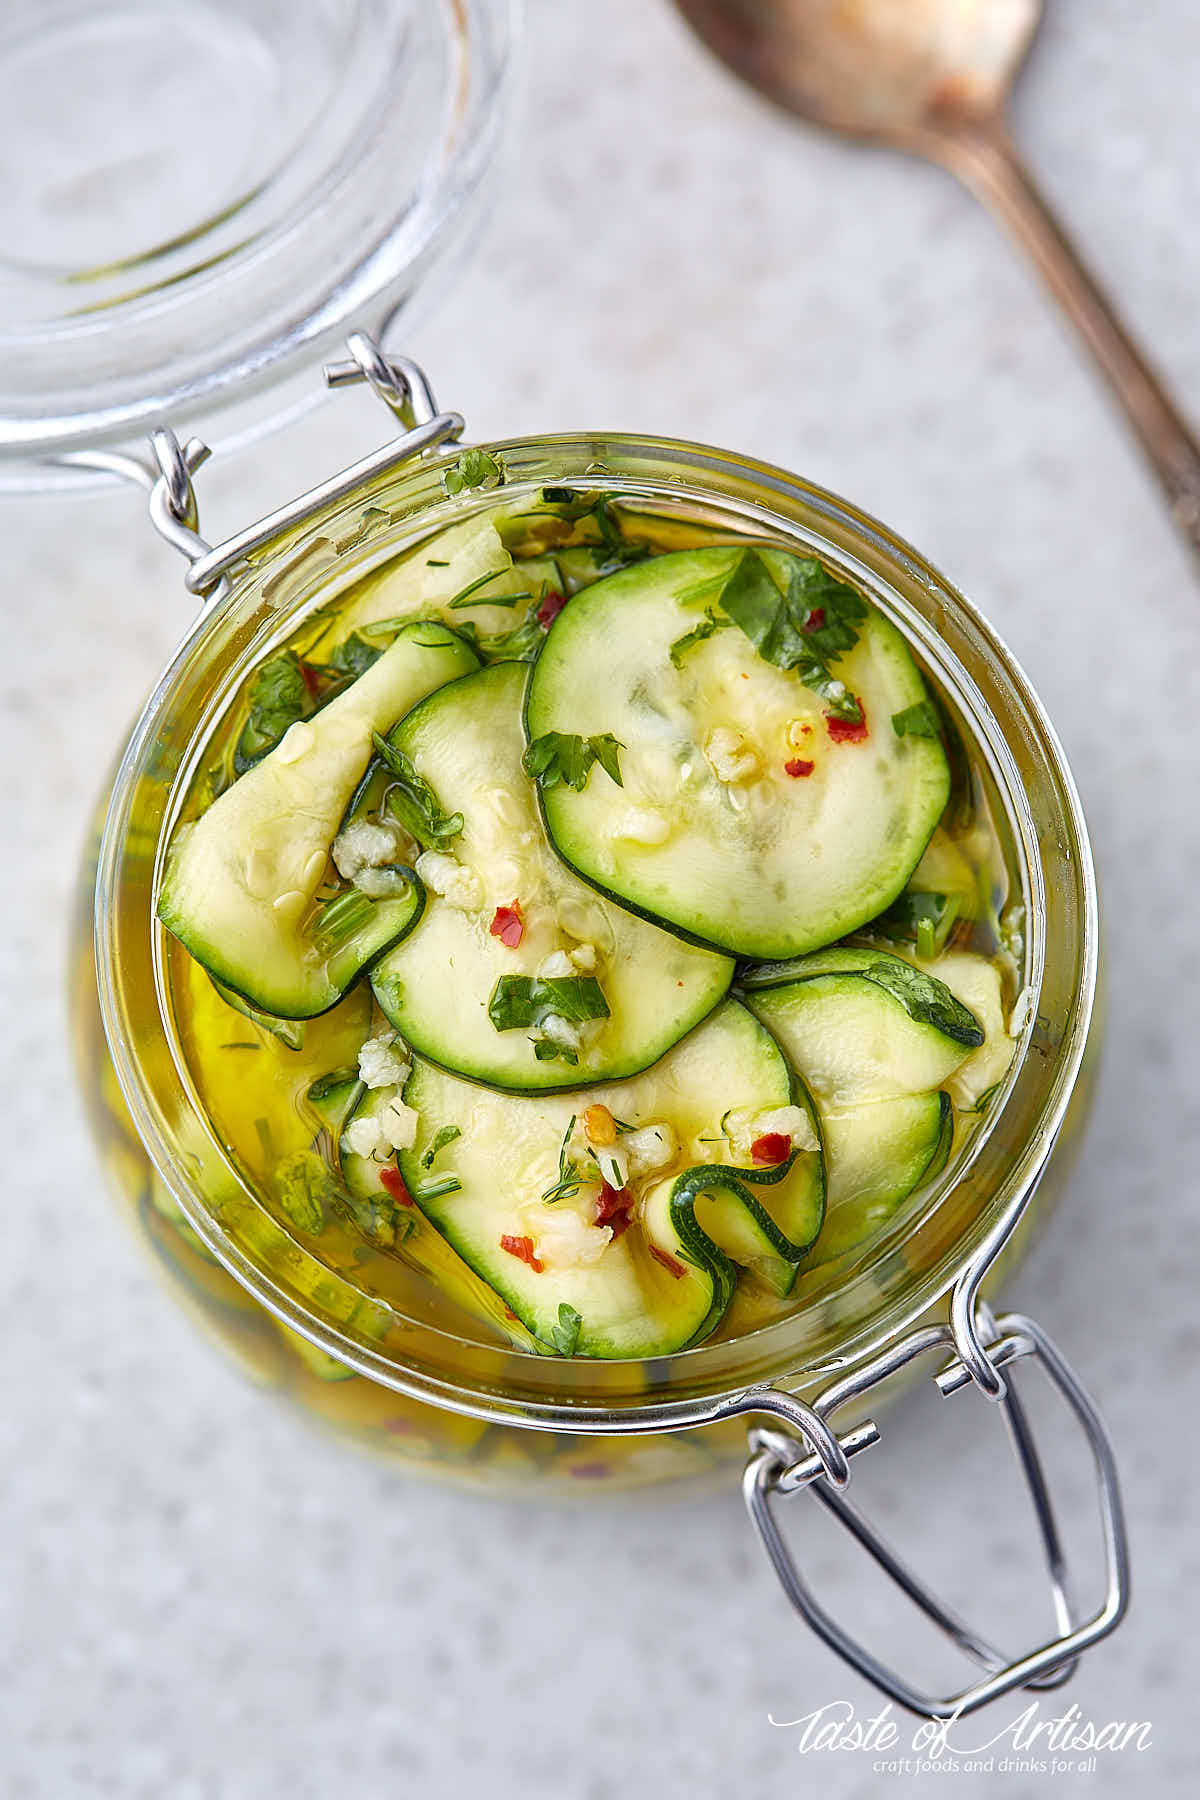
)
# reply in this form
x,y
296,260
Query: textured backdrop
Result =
x,y
203,1600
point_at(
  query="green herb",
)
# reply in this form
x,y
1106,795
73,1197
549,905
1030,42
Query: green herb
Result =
x,y
437,1190
521,644
414,802
474,469
519,1001
445,1136
546,1050
706,629
571,1175
278,697
919,720
565,1335
303,1186
463,597
597,510
921,918
436,562
351,658
560,756
804,629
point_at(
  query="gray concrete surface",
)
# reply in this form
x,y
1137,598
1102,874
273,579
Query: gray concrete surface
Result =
x,y
201,1600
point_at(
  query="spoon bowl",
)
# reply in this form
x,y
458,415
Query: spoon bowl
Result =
x,y
932,77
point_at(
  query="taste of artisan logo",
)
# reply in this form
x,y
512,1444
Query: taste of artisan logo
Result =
x,y
1069,1743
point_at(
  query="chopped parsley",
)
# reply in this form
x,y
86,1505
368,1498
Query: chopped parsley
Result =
x,y
565,1335
560,756
445,1136
707,627
279,695
474,469
919,720
519,1001
413,802
805,628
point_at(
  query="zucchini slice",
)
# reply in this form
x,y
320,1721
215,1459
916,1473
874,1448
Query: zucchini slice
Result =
x,y
863,1025
748,817
877,1154
665,1281
877,1042
241,881
437,986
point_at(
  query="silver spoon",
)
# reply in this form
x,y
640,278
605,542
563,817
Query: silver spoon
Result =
x,y
932,77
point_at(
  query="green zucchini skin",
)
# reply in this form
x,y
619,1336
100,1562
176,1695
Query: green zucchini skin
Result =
x,y
828,852
703,1219
878,1043
926,999
434,987
267,839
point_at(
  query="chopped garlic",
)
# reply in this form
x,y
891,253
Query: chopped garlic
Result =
x,y
398,1125
364,848
584,957
729,756
565,1240
743,1127
798,731
650,1147
614,1165
561,1031
446,876
556,967
362,1137
641,825
382,1062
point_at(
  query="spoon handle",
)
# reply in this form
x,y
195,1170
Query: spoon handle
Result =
x,y
984,157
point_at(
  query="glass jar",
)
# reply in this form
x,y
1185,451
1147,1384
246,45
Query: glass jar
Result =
x,y
494,1416
200,200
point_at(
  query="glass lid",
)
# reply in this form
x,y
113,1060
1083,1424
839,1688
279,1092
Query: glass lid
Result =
x,y
198,200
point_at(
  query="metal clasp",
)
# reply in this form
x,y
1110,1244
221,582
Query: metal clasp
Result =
x,y
783,1463
398,382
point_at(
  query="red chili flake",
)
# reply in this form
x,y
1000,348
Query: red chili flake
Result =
x,y
798,766
614,1207
815,620
522,1249
312,678
772,1147
510,1314
671,1263
591,1471
392,1180
508,924
549,607
847,731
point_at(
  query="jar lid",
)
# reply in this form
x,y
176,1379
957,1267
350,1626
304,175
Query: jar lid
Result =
x,y
198,200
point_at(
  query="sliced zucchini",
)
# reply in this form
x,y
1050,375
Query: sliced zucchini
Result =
x,y
926,999
241,883
976,983
856,1028
466,741
667,1279
382,1208
878,1044
876,1154
749,816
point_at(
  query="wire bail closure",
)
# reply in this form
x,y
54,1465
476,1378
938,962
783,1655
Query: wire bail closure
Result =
x,y
167,480
804,1457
